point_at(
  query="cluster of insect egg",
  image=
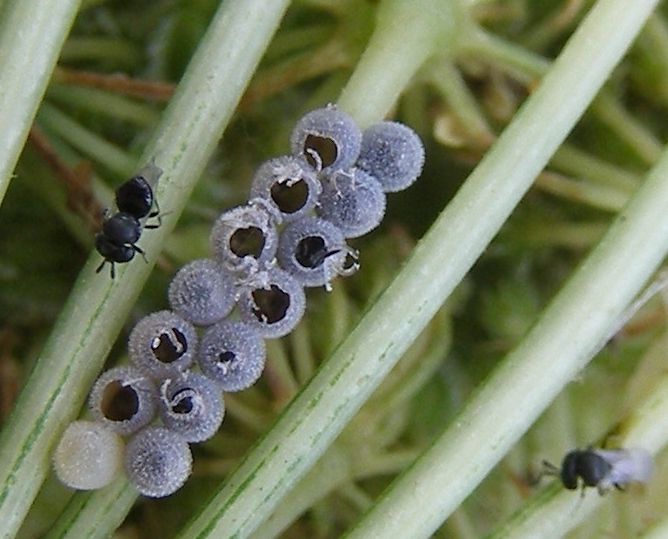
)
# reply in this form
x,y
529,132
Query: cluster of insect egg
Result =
x,y
291,234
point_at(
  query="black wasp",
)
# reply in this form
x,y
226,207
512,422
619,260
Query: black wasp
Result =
x,y
603,468
117,241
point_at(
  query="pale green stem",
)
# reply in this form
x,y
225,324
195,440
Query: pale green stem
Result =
x,y
460,526
339,318
383,464
447,79
571,235
561,343
550,514
110,505
31,35
418,27
420,373
627,127
656,40
98,306
331,472
104,103
597,196
571,160
355,495
302,353
119,51
524,64
278,372
440,261
289,41
86,141
248,415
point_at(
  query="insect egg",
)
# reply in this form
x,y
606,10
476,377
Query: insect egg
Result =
x,y
88,455
162,344
393,154
273,303
233,354
313,250
327,138
123,399
202,292
192,406
288,183
352,200
244,238
157,461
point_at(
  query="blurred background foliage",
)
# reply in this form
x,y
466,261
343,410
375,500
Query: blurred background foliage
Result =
x,y
117,71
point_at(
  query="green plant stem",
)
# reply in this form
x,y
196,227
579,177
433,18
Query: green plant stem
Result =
x,y
555,350
627,128
596,196
571,160
86,141
31,35
278,372
550,514
448,81
442,258
104,103
420,27
331,472
569,234
522,63
302,353
98,306
101,49
110,505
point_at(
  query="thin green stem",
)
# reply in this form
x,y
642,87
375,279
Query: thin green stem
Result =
x,y
383,464
98,306
572,160
568,234
524,64
447,80
561,343
118,51
656,39
627,128
245,414
356,496
331,472
31,35
342,384
302,353
86,141
105,103
596,196
339,319
289,41
279,373
110,505
419,26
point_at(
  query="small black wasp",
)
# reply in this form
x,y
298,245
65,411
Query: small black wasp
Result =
x,y
117,241
603,468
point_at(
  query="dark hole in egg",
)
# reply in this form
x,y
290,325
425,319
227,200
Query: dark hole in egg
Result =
x,y
271,305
